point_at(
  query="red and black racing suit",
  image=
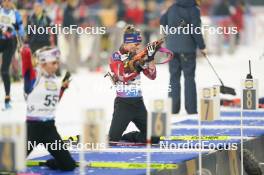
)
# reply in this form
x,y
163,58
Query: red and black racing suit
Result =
x,y
129,105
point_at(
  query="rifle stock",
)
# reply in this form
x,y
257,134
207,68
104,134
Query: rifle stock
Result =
x,y
140,56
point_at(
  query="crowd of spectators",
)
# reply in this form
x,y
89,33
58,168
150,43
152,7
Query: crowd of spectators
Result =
x,y
144,13
132,11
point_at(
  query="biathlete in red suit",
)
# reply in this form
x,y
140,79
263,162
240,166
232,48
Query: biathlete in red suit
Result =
x,y
129,105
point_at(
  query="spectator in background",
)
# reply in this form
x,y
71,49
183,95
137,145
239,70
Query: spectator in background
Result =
x,y
151,19
233,2
90,2
38,19
221,18
108,15
205,7
20,4
134,13
183,13
55,13
69,18
10,26
52,9
238,18
25,4
120,10
221,8
165,5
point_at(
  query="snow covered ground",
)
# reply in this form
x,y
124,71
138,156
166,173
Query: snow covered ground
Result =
x,y
92,90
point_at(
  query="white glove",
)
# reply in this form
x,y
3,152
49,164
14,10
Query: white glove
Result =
x,y
152,49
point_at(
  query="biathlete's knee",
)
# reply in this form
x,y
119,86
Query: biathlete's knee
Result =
x,y
114,138
69,165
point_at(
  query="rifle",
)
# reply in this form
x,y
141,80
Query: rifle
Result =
x,y
66,77
112,78
141,55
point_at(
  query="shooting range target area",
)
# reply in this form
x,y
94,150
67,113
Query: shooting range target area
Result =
x,y
131,87
210,140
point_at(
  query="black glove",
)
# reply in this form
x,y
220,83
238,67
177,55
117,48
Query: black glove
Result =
x,y
151,49
138,66
67,76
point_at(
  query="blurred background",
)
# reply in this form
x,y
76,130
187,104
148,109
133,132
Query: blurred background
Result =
x,y
86,56
93,51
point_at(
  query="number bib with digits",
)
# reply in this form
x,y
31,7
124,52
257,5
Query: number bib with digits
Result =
x,y
7,19
42,101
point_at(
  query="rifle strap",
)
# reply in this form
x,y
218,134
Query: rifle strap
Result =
x,y
167,51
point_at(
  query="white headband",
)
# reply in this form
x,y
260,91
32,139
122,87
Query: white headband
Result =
x,y
48,55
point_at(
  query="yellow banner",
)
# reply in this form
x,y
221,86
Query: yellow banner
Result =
x,y
195,138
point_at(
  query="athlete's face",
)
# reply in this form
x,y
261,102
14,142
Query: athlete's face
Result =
x,y
51,67
7,3
132,47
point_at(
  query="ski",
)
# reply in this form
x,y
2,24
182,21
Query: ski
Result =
x,y
117,165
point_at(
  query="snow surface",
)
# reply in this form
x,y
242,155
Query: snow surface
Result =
x,y
92,90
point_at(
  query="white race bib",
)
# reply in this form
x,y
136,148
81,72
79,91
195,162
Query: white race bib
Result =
x,y
7,19
43,100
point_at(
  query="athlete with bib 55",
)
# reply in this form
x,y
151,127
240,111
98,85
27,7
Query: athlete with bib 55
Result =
x,y
43,92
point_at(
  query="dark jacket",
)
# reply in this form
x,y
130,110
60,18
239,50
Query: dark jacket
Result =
x,y
68,17
183,11
221,9
37,37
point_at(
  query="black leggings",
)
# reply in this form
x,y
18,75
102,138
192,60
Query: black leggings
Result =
x,y
7,48
46,133
128,110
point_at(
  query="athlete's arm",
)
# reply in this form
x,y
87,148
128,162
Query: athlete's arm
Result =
x,y
28,71
150,71
117,67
